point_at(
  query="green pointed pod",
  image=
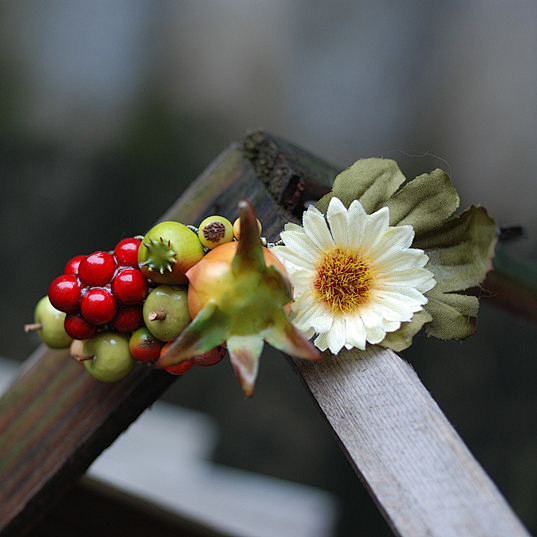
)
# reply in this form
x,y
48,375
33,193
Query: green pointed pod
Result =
x,y
237,295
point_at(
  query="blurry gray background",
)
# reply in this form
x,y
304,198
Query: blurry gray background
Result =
x,y
109,109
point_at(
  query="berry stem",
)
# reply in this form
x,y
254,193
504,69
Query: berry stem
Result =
x,y
156,316
81,359
32,327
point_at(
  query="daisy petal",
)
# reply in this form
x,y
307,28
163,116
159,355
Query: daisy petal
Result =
x,y
356,221
375,334
407,297
392,310
409,258
356,333
376,225
394,240
336,336
301,281
291,260
391,326
300,243
291,226
337,218
321,342
408,277
316,229
322,322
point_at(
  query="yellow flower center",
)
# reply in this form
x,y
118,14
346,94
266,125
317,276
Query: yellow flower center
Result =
x,y
343,280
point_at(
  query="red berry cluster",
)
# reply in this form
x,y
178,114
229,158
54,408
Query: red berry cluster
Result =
x,y
101,289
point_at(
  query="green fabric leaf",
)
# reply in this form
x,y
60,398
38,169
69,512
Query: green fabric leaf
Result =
x,y
372,181
460,252
424,203
454,315
402,339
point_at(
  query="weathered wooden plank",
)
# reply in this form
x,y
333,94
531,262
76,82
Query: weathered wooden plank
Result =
x,y
416,467
56,419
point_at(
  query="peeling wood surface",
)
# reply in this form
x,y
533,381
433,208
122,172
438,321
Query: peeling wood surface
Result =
x,y
55,419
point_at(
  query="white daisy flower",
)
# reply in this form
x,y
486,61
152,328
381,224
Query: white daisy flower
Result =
x,y
355,277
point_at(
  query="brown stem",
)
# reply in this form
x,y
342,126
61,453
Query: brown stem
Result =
x,y
32,327
156,316
81,359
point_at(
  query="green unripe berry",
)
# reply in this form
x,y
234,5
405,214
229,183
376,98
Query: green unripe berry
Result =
x,y
214,231
111,360
166,312
49,323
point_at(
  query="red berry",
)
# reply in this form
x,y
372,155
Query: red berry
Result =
x,y
128,319
126,252
98,306
211,357
177,369
130,286
64,293
77,327
97,269
180,368
143,346
72,265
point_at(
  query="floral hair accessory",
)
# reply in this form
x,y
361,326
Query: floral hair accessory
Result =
x,y
355,277
376,259
374,262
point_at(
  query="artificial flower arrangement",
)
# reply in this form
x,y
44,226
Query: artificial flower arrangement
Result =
x,y
374,261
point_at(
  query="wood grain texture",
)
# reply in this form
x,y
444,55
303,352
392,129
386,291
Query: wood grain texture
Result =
x,y
56,419
416,467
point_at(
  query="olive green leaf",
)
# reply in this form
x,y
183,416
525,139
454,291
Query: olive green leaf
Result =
x,y
460,255
372,181
424,203
461,251
454,316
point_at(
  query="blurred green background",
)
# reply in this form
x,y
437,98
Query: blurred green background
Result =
x,y
108,110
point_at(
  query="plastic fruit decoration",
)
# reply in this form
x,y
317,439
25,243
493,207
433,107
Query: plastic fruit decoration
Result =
x,y
166,312
236,296
167,251
49,321
107,357
215,231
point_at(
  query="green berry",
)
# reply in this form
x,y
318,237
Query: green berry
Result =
x,y
49,322
166,312
111,360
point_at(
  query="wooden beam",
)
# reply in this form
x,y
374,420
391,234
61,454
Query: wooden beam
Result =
x,y
418,470
55,419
